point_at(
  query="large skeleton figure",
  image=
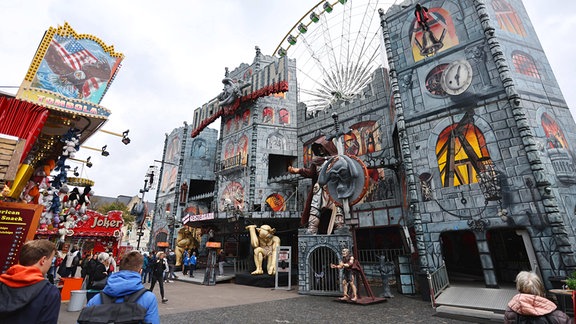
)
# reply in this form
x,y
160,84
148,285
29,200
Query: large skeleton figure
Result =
x,y
265,245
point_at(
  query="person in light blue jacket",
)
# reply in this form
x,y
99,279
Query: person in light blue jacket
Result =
x,y
128,281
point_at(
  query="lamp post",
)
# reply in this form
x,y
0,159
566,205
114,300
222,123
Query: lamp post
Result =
x,y
140,214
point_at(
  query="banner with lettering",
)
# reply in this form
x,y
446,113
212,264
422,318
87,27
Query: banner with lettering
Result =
x,y
18,223
100,225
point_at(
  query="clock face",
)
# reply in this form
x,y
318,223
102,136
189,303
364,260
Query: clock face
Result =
x,y
457,77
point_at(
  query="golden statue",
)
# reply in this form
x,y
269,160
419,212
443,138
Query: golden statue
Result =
x,y
184,241
265,245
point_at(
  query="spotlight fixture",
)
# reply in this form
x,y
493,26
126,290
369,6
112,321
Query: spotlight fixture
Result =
x,y
104,152
88,163
125,138
76,174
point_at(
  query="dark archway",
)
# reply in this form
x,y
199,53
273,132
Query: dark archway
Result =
x,y
508,253
461,256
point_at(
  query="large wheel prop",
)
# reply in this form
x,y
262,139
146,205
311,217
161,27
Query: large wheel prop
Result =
x,y
337,47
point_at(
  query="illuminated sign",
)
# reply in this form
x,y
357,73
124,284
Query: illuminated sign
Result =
x,y
70,72
57,102
18,223
195,218
271,79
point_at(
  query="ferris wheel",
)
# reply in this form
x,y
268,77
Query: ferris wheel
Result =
x,y
337,46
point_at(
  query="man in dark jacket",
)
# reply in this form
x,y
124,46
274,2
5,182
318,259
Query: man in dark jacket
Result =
x,y
27,297
172,265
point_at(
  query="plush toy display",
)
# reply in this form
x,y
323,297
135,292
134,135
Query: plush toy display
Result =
x,y
84,200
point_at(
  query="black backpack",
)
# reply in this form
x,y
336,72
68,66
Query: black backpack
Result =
x,y
111,312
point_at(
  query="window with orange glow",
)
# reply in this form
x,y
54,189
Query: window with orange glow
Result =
x,y
507,17
460,151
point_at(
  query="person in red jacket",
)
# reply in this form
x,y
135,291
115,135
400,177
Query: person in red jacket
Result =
x,y
27,296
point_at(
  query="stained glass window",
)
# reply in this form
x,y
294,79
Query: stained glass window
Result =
x,y
460,152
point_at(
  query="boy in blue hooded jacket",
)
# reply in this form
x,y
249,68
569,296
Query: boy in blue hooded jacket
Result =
x,y
128,281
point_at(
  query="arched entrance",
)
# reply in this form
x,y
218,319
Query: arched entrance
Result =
x,y
461,256
323,279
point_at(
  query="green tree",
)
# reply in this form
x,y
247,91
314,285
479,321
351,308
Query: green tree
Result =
x,y
105,208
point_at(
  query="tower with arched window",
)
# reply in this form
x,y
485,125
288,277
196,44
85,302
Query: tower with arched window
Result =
x,y
486,139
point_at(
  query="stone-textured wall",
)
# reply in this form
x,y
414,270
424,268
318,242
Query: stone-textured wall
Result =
x,y
503,101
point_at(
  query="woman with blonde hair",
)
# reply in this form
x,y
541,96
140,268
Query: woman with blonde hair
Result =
x,y
531,305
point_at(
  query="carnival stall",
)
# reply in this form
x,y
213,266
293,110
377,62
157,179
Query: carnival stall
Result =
x,y
56,109
93,232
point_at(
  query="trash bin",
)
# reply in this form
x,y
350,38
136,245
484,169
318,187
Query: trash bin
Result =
x,y
77,300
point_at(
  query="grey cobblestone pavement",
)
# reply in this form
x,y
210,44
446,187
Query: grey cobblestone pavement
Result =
x,y
315,309
227,302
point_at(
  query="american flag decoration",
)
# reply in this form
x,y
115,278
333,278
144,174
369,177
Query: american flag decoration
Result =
x,y
72,52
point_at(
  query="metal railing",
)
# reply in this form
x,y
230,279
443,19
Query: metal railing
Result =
x,y
438,281
238,160
243,265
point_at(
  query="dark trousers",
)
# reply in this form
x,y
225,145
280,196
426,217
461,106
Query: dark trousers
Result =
x,y
160,283
146,274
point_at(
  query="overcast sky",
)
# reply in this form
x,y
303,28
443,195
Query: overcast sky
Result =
x,y
175,55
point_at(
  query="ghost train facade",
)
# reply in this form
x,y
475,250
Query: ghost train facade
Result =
x,y
486,141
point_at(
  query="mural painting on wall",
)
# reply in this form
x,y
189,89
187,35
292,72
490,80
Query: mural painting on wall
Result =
x,y
243,148
171,167
364,138
558,150
234,123
229,149
382,185
268,115
284,118
276,141
232,196
246,118
461,153
508,18
437,35
275,202
228,126
199,149
433,81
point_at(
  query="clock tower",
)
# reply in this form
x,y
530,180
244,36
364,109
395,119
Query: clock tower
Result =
x,y
486,138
